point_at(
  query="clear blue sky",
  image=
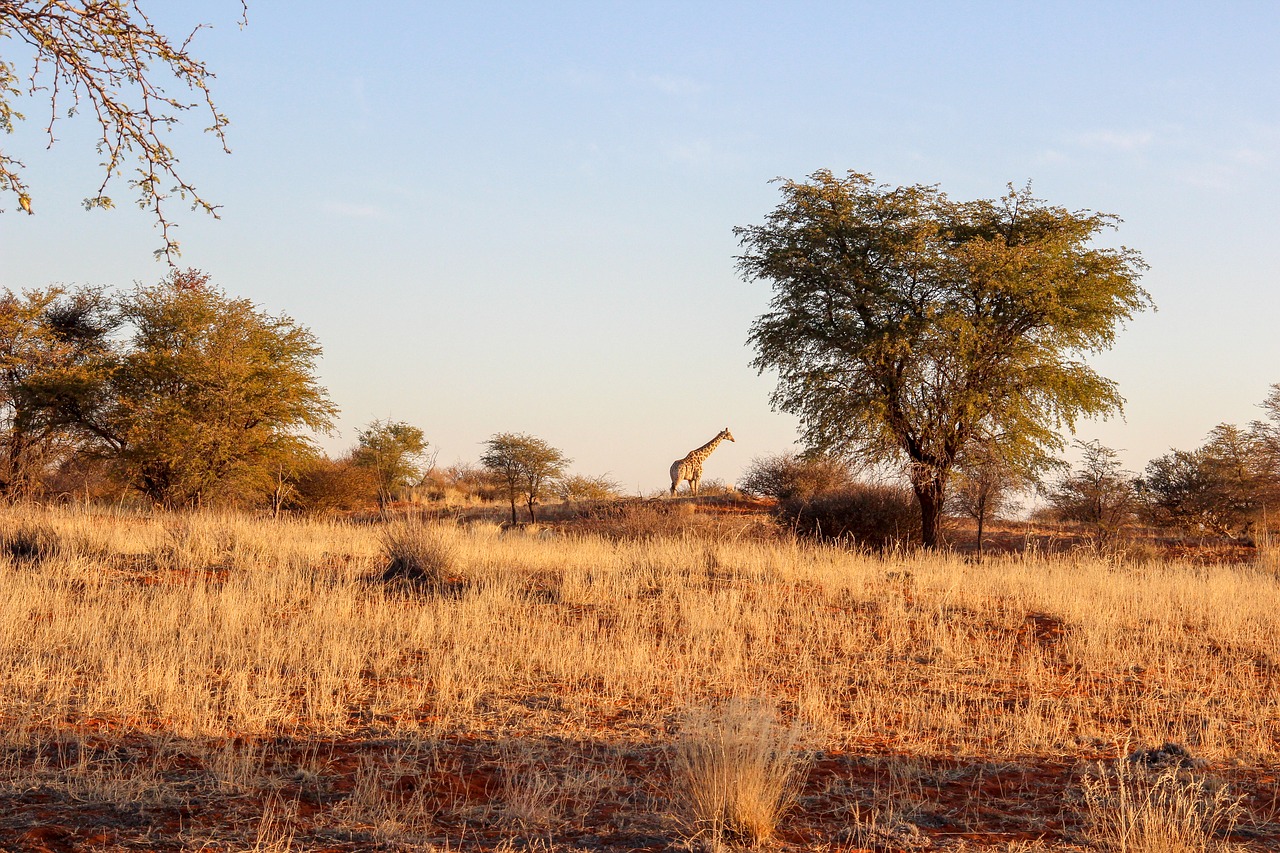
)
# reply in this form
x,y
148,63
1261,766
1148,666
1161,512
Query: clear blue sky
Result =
x,y
518,216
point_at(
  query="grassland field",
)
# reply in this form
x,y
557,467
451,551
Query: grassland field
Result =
x,y
221,682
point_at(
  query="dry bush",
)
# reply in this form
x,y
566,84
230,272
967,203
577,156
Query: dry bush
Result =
x,y
30,541
1135,809
1266,555
734,773
422,556
579,488
787,477
869,515
329,485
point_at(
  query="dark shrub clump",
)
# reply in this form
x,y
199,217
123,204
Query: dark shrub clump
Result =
x,y
873,516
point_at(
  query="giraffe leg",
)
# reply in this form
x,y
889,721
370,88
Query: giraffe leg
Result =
x,y
693,484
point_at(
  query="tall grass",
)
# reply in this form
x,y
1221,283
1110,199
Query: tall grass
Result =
x,y
259,627
1133,809
734,773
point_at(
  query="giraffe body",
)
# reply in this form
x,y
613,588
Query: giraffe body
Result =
x,y
690,467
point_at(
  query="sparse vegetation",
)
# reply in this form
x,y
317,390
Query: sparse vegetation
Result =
x,y
553,692
1165,809
735,772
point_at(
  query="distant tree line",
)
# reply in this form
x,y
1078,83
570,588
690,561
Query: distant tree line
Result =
x,y
187,397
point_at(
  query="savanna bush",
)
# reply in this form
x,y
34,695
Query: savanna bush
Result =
x,y
872,515
786,476
328,485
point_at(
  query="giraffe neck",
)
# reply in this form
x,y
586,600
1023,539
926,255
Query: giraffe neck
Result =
x,y
705,450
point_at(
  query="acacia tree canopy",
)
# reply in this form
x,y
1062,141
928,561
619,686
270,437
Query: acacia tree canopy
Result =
x,y
208,396
106,58
905,325
524,464
51,344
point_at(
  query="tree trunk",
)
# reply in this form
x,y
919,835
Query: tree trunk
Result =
x,y
513,509
982,514
930,488
532,520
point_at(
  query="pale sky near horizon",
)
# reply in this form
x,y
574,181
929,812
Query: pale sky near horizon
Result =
x,y
518,217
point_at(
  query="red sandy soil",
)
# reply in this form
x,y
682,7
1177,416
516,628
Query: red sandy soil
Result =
x,y
946,801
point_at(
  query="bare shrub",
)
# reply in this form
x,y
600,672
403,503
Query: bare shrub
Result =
x,y
875,516
1133,808
734,773
786,476
422,556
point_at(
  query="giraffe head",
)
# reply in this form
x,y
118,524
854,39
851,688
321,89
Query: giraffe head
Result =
x,y
728,436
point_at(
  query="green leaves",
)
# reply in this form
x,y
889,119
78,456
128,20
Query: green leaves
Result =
x,y
904,325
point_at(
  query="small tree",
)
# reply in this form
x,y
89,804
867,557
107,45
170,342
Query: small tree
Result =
x,y
986,485
1098,493
524,465
395,451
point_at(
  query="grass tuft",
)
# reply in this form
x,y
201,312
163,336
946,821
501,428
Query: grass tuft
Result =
x,y
735,773
31,541
423,557
1163,809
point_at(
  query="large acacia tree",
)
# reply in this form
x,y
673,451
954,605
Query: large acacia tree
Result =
x,y
207,398
906,326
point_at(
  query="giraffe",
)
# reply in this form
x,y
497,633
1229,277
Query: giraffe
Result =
x,y
690,467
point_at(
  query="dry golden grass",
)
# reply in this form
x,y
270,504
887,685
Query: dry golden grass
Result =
x,y
216,634
735,773
1134,809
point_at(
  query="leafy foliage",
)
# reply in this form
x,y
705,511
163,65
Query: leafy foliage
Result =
x,y
52,343
524,465
208,397
905,325
395,452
